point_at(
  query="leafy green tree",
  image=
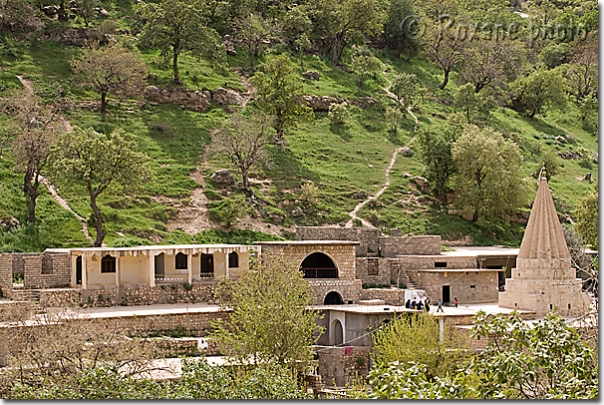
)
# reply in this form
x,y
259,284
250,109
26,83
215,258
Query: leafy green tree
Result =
x,y
111,70
477,107
342,23
398,342
582,73
488,175
251,31
547,360
587,216
435,152
279,93
270,322
554,54
177,26
400,31
551,162
229,211
86,10
541,89
97,161
364,65
442,44
489,63
398,380
393,116
407,89
297,28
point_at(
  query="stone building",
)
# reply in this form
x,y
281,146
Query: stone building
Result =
x,y
107,276
544,277
328,266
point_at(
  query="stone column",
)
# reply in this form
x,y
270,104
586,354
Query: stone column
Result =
x,y
190,268
84,272
151,258
117,270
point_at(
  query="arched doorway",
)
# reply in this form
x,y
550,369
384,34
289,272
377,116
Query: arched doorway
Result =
x,y
333,298
338,332
319,265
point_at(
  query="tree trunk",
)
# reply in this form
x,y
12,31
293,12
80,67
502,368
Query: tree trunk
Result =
x,y
100,234
175,66
246,181
279,127
337,49
31,190
445,80
533,112
103,101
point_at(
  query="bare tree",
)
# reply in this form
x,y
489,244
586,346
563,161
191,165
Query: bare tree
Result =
x,y
244,143
111,70
35,128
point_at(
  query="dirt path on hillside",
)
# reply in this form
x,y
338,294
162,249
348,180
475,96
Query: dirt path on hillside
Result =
x,y
29,89
353,213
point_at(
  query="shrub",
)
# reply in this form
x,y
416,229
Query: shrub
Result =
x,y
338,114
229,211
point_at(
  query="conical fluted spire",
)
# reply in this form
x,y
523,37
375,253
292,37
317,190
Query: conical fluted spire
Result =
x,y
543,238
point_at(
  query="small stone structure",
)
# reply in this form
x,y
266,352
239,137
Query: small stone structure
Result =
x,y
544,277
367,238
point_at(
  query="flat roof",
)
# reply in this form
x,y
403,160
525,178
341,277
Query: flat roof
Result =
x,y
308,242
365,309
446,270
476,251
154,249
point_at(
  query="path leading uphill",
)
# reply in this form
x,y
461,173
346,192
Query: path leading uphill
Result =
x,y
354,212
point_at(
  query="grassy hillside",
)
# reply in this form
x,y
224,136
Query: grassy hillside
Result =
x,y
346,163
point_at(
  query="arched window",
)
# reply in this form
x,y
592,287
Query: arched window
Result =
x,y
233,260
181,261
108,264
319,265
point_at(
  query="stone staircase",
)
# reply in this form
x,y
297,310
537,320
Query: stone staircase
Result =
x,y
29,295
404,277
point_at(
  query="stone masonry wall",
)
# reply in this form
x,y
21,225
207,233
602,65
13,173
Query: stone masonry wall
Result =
x,y
348,289
416,262
61,271
6,275
367,237
339,369
60,297
144,295
366,267
486,285
410,245
391,296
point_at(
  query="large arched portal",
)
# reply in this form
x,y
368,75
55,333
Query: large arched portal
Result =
x,y
319,265
333,298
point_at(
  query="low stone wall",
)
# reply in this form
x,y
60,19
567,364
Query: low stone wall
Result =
x,y
393,246
194,323
367,237
391,296
202,291
339,369
60,297
348,289
373,270
470,287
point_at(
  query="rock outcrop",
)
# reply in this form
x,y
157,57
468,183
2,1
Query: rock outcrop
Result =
x,y
223,176
190,99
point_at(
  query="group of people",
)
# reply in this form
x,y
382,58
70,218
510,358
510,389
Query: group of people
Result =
x,y
419,304
424,304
